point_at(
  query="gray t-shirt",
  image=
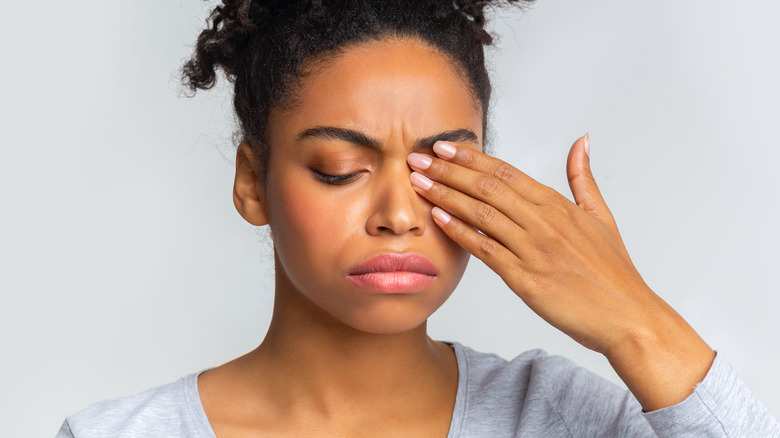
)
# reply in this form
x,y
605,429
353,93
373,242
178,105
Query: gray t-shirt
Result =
x,y
534,395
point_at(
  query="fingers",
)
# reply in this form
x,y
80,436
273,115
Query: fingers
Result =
x,y
495,255
485,217
484,187
518,181
485,178
506,204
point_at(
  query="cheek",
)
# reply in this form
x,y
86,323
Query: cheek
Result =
x,y
304,216
310,225
458,259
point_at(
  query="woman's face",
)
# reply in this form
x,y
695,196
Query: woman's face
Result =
x,y
337,189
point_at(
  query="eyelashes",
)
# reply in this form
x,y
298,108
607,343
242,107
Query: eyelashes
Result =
x,y
347,178
336,180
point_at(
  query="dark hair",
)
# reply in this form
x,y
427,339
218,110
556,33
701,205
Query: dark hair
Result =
x,y
264,47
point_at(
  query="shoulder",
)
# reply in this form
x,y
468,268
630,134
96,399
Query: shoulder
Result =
x,y
488,373
167,410
534,370
539,393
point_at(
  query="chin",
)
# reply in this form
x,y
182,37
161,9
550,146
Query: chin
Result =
x,y
388,327
386,321
388,314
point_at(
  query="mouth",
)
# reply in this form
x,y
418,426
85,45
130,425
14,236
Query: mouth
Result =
x,y
394,273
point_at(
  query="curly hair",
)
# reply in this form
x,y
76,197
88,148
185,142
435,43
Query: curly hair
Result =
x,y
264,47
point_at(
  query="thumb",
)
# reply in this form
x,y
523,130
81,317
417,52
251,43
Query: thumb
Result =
x,y
583,185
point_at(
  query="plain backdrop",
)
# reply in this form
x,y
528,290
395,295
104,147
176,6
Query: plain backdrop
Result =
x,y
125,265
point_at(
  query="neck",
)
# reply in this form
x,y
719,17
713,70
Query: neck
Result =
x,y
310,349
312,366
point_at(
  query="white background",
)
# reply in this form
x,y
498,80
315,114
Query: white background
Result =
x,y
125,266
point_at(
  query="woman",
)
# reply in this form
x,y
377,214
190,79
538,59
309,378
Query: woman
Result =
x,y
363,126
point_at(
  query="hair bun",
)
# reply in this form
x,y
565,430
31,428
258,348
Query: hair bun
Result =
x,y
474,10
222,44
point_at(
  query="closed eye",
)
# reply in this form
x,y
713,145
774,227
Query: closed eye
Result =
x,y
336,180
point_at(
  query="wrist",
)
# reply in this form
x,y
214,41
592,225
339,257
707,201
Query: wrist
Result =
x,y
661,361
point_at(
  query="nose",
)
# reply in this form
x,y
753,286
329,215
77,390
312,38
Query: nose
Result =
x,y
397,208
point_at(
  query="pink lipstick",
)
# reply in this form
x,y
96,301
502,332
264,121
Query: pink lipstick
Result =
x,y
394,273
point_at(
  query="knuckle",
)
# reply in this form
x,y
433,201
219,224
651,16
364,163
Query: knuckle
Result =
x,y
505,173
489,187
548,231
535,287
444,171
467,158
557,207
484,214
487,248
566,209
459,230
443,193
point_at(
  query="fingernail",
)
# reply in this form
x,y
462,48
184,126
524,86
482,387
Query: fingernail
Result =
x,y
587,143
420,181
440,215
444,150
420,161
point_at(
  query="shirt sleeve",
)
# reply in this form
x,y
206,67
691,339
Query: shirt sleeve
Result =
x,y
65,431
720,406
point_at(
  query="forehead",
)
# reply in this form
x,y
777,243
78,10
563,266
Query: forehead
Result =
x,y
389,84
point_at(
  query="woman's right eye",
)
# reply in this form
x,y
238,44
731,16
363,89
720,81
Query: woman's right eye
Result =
x,y
337,180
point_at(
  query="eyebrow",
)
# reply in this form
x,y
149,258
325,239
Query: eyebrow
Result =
x,y
361,139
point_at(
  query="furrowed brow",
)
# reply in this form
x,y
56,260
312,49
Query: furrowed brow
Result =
x,y
335,133
359,138
458,136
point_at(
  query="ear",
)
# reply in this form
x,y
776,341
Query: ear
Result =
x,y
248,189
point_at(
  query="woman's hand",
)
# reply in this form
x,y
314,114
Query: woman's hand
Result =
x,y
567,262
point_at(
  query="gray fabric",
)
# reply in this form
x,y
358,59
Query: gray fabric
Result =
x,y
534,395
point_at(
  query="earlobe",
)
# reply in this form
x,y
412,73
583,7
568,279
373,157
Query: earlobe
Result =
x,y
248,193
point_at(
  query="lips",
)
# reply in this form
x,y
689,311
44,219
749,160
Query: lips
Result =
x,y
394,273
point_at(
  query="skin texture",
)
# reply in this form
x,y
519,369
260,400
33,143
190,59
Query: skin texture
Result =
x,y
568,263
340,361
